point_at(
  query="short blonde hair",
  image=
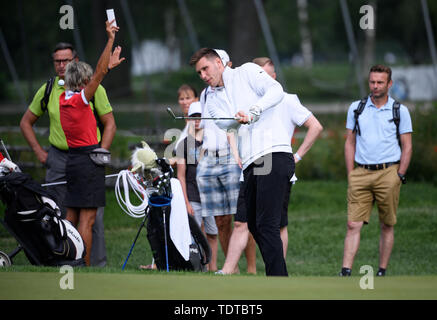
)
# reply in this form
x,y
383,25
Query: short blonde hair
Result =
x,y
77,75
262,61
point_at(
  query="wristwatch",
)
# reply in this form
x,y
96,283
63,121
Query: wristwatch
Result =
x,y
403,178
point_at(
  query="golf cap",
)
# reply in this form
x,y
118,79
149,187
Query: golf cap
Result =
x,y
195,107
223,55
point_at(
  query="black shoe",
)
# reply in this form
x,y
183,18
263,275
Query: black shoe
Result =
x,y
345,272
381,272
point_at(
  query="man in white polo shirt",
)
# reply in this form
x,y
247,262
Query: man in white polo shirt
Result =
x,y
249,93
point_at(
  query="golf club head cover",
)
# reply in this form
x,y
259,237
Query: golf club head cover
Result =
x,y
143,158
9,165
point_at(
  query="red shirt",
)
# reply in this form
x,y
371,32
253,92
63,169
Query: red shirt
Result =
x,y
77,119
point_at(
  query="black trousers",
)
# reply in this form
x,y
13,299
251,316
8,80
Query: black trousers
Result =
x,y
264,193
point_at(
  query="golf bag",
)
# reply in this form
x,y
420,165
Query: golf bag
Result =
x,y
162,246
176,240
33,218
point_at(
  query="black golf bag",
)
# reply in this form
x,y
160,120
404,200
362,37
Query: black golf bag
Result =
x,y
33,218
164,250
157,183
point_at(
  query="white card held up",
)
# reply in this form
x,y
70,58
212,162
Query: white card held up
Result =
x,y
111,16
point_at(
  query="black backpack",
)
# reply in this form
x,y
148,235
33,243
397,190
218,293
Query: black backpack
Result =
x,y
45,101
396,117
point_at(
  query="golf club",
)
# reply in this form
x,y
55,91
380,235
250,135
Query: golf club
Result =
x,y
65,182
5,150
197,118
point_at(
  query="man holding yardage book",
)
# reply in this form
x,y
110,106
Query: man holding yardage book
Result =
x,y
379,142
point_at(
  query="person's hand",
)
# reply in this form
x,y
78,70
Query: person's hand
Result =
x,y
111,30
42,156
240,163
114,59
296,159
238,160
173,162
190,209
242,117
253,116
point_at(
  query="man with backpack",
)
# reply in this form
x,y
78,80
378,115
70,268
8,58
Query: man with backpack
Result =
x,y
47,99
379,142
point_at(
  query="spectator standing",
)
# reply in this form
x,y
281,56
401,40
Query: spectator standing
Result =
x,y
186,96
382,152
188,154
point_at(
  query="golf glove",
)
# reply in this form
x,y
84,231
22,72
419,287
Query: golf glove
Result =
x,y
255,113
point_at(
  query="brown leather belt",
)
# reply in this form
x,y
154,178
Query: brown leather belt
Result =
x,y
378,166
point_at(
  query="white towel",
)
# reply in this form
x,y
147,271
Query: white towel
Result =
x,y
179,227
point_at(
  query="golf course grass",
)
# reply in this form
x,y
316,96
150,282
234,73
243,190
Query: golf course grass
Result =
x,y
317,225
162,286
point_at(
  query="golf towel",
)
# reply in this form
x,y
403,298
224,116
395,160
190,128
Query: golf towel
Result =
x,y
179,228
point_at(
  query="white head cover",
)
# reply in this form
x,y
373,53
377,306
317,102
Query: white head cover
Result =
x,y
143,158
223,55
75,238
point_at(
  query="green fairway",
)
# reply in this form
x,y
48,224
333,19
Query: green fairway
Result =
x,y
46,285
316,230
317,225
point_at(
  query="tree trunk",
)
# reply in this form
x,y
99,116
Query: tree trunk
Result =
x,y
305,35
244,31
369,43
171,40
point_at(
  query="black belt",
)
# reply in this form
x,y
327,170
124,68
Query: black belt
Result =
x,y
83,150
378,166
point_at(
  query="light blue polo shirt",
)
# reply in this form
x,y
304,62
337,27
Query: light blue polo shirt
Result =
x,y
377,142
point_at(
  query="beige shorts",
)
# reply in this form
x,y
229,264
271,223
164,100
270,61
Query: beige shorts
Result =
x,y
365,187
